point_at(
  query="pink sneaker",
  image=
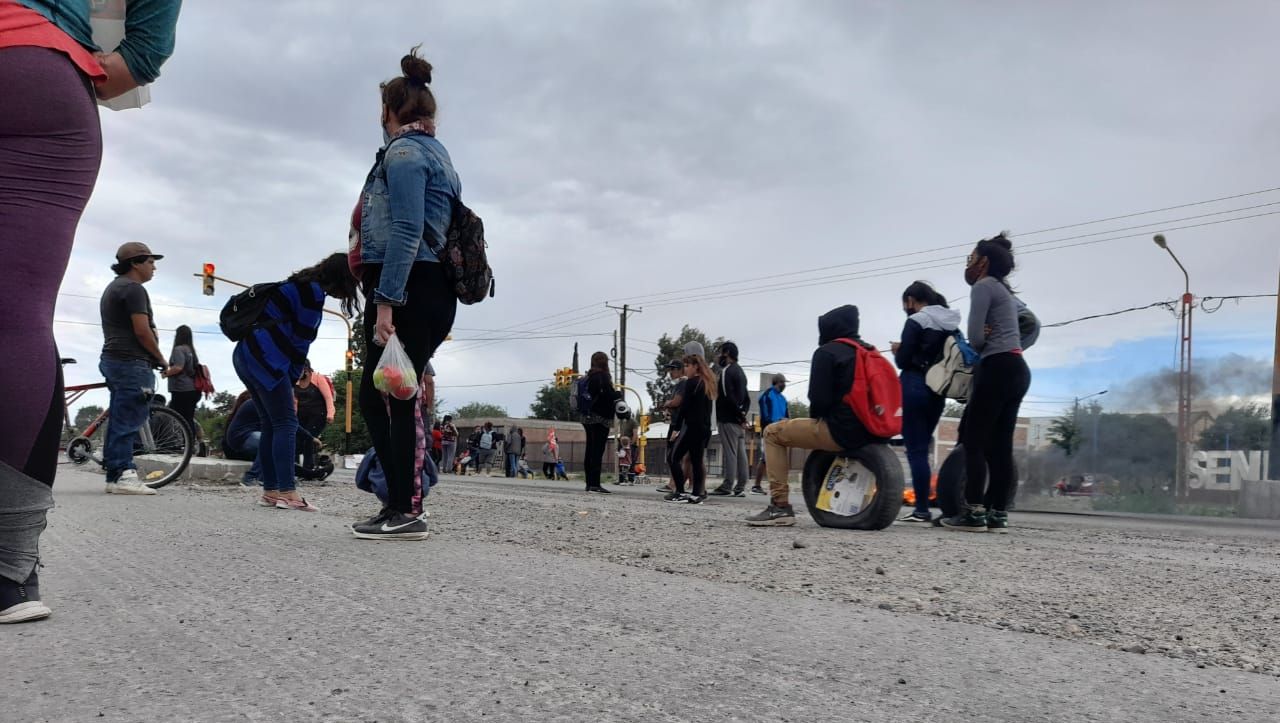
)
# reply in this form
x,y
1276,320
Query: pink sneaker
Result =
x,y
284,503
267,501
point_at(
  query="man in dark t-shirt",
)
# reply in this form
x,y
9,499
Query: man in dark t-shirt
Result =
x,y
130,351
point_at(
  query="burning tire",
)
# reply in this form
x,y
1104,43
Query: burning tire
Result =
x,y
859,489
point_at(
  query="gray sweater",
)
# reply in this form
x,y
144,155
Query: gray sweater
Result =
x,y
992,304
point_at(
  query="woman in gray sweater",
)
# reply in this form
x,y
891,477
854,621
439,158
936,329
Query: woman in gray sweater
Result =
x,y
1000,382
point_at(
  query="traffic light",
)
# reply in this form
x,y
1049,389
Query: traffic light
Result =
x,y
644,425
208,279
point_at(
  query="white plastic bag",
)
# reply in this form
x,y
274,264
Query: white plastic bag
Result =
x,y
106,22
394,375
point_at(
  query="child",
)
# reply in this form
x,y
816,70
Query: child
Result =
x,y
522,469
625,461
560,471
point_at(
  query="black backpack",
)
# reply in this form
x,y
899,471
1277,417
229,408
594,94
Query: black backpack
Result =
x,y
465,260
242,312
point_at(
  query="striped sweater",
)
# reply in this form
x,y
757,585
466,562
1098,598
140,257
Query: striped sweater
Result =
x,y
279,352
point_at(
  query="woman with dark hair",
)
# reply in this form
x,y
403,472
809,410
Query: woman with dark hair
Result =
x,y
929,323
402,218
183,363
273,356
695,402
1000,382
604,398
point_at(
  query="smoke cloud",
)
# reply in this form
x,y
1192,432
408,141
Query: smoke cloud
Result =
x,y
1216,384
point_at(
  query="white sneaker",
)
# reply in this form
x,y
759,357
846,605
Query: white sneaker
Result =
x,y
128,484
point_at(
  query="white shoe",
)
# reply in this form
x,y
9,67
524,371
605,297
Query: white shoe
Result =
x,y
23,612
128,484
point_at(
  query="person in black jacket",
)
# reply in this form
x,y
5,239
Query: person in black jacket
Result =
x,y
695,402
832,425
929,323
732,404
604,397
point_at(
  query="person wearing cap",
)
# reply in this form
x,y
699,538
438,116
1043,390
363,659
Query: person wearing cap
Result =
x,y
773,408
130,354
675,368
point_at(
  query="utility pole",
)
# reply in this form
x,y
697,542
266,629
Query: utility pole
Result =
x,y
1184,377
624,311
1274,466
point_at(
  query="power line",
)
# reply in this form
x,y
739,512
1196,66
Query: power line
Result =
x,y
1163,304
1147,213
495,384
1223,299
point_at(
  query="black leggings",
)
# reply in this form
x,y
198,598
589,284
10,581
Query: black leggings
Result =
x,y
421,325
691,444
990,420
597,438
184,403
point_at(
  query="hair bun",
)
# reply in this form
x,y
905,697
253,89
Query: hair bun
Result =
x,y
1002,240
416,69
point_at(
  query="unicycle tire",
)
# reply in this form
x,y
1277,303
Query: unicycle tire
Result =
x,y
876,488
174,446
952,478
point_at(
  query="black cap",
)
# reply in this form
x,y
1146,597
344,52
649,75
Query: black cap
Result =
x,y
674,364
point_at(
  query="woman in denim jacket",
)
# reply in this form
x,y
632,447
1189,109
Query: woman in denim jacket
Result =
x,y
404,214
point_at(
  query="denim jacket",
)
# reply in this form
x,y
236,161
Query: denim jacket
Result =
x,y
405,210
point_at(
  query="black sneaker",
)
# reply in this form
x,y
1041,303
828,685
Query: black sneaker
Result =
x,y
972,520
916,519
695,499
398,526
383,514
757,490
740,492
773,516
600,490
20,601
675,497
722,491
998,522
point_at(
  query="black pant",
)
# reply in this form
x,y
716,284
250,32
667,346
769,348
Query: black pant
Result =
x,y
691,444
597,438
421,325
184,403
990,420
309,430
549,470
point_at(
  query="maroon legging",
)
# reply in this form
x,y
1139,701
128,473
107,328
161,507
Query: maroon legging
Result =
x,y
50,150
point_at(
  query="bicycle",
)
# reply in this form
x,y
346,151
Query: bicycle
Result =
x,y
164,446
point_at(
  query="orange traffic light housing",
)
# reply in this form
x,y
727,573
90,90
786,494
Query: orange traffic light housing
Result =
x,y
208,279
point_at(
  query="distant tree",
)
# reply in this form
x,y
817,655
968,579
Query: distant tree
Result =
x,y
1064,433
479,409
552,402
1246,427
334,435
797,409
673,348
86,415
357,340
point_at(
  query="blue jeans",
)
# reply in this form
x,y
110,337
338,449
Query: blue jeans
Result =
x,y
277,448
921,410
513,462
252,444
131,384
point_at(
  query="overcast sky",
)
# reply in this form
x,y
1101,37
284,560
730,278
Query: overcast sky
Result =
x,y
666,152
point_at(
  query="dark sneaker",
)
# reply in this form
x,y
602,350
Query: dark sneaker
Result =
x,y
600,490
675,497
973,520
722,491
915,519
20,601
757,490
398,526
998,522
694,499
382,515
773,516
739,491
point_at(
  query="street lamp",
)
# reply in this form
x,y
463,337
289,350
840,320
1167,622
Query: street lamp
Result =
x,y
1076,416
1184,375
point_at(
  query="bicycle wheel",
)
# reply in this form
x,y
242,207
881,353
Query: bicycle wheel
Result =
x,y
164,448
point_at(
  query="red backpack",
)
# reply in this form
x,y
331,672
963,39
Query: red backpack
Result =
x,y
876,396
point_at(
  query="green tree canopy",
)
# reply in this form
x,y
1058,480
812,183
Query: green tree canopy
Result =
x,y
797,409
552,402
479,409
1246,427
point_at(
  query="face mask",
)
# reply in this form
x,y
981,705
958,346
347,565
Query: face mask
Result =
x,y
973,273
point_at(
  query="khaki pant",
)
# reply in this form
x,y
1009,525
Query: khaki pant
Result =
x,y
779,437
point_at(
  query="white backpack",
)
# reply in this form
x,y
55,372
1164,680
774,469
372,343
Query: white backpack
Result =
x,y
952,375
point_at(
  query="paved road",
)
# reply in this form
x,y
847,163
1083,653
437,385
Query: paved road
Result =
x,y
195,605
